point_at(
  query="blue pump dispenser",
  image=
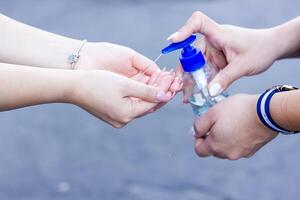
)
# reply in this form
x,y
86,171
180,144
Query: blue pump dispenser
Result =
x,y
198,71
191,58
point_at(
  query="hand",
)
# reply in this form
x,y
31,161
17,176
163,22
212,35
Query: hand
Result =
x,y
121,60
235,51
231,129
117,99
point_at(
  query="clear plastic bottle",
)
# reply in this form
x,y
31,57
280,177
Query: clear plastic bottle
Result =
x,y
200,98
198,73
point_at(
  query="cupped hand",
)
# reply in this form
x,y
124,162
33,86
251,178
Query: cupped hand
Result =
x,y
233,50
231,129
117,99
121,60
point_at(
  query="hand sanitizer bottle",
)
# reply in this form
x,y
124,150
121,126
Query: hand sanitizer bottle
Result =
x,y
198,72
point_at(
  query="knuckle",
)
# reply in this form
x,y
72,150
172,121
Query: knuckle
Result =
x,y
118,125
124,118
197,15
200,154
215,148
131,55
249,155
234,156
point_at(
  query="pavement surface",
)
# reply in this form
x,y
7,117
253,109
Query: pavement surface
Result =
x,y
60,152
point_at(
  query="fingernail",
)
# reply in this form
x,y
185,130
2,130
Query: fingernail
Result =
x,y
162,96
164,69
172,36
192,131
215,89
171,70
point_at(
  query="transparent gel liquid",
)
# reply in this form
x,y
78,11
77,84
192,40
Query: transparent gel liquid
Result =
x,y
201,104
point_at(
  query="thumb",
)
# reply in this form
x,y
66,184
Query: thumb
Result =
x,y
226,77
146,92
197,23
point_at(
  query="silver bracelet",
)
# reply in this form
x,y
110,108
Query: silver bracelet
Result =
x,y
73,58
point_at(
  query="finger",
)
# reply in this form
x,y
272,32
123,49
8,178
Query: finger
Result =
x,y
197,23
137,77
145,79
227,76
175,87
217,152
141,77
154,77
177,83
164,81
179,72
215,57
144,64
203,124
145,92
201,44
201,148
142,107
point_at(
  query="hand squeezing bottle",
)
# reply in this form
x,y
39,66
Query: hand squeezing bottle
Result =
x,y
198,72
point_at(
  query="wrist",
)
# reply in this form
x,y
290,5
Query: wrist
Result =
x,y
280,44
268,133
88,56
287,40
81,85
69,89
270,109
284,109
275,43
277,105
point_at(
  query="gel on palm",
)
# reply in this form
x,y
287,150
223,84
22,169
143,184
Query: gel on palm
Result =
x,y
198,72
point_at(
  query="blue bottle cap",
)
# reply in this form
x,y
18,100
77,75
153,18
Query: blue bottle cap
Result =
x,y
191,58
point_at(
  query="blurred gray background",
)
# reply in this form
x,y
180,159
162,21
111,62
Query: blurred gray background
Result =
x,y
60,152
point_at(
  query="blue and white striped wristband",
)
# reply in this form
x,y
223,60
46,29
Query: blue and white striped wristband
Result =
x,y
263,111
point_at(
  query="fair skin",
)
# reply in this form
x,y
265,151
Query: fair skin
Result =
x,y
27,45
114,83
225,131
112,98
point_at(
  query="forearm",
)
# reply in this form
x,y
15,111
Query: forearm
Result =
x,y
287,39
25,45
24,86
285,109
